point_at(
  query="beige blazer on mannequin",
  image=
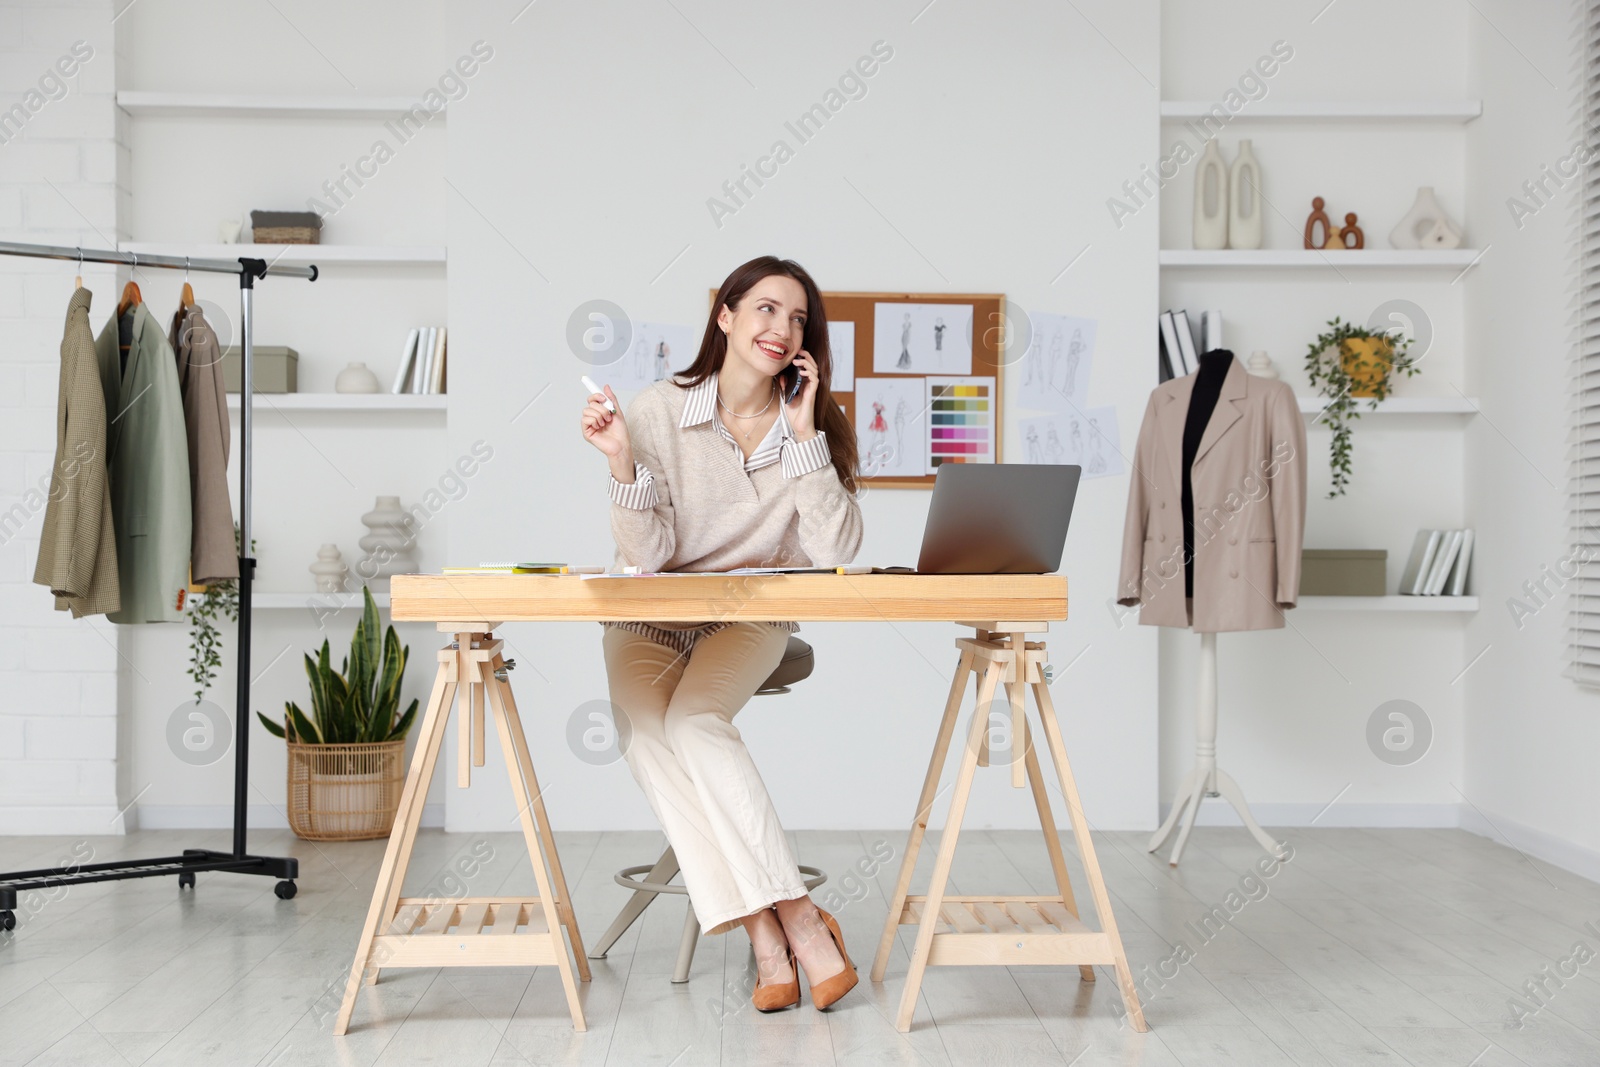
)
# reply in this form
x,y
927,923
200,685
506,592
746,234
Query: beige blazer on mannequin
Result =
x,y
1249,481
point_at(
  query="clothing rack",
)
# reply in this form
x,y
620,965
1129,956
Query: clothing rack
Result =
x,y
193,859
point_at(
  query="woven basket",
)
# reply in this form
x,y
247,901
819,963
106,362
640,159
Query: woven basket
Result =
x,y
345,792
285,235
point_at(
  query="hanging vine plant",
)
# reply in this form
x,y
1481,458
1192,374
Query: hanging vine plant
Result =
x,y
1346,364
221,601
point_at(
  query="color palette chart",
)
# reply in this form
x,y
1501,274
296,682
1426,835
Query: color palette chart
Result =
x,y
961,411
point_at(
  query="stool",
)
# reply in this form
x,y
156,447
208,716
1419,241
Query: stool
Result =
x,y
797,663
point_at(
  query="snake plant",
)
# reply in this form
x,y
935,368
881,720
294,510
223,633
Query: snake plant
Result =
x,y
358,703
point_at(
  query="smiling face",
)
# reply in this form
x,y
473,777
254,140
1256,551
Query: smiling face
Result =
x,y
769,326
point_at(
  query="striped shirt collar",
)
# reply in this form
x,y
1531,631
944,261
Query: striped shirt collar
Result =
x,y
700,407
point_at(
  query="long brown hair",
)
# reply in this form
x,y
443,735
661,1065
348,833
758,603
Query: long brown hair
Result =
x,y
826,413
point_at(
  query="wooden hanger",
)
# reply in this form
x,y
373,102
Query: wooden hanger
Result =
x,y
131,297
77,282
187,298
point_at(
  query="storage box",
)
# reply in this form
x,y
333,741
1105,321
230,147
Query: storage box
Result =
x,y
273,369
1343,572
285,227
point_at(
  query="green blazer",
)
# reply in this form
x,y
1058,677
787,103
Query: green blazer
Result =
x,y
148,457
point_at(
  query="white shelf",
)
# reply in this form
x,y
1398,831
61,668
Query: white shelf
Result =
x,y
1354,258
1333,110
1388,603
1401,405
296,255
229,105
344,402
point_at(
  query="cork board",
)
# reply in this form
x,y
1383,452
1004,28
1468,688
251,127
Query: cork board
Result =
x,y
944,421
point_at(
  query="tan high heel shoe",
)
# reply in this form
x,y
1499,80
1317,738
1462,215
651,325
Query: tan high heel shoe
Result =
x,y
829,990
778,996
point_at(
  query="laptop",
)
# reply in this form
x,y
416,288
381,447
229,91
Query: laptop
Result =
x,y
998,518
985,518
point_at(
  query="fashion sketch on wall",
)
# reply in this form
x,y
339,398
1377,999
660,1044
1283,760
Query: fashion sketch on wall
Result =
x,y
1085,436
659,350
892,427
1056,365
922,339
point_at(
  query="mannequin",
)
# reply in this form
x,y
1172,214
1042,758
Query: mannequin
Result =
x,y
1208,436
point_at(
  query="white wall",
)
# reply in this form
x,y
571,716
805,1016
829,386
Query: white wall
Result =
x,y
978,161
58,185
315,473
981,158
1530,732
1294,703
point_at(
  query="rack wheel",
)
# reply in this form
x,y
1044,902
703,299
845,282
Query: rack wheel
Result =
x,y
285,890
8,920
186,880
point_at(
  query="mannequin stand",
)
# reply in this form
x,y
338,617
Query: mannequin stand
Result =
x,y
1207,780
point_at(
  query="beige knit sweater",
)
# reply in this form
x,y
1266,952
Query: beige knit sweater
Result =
x,y
708,513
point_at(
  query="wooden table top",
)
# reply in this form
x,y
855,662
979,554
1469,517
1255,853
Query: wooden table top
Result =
x,y
747,598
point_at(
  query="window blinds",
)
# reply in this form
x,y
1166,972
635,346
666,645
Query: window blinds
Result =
x,y
1583,472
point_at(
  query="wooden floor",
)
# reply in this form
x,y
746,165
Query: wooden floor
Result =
x,y
1368,947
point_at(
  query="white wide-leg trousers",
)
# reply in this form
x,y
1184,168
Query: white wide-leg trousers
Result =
x,y
675,725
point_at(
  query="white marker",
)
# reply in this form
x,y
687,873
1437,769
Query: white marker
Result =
x,y
588,383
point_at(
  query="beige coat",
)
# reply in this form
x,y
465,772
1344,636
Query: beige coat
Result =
x,y
214,555
77,546
1249,479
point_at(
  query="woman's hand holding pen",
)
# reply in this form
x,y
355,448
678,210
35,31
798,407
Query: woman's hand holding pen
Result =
x,y
604,428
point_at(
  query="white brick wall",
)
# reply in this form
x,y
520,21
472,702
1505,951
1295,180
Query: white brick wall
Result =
x,y
58,185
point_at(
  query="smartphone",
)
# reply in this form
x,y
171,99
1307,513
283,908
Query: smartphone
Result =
x,y
790,383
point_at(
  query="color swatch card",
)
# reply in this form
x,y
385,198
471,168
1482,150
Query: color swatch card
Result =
x,y
891,427
961,421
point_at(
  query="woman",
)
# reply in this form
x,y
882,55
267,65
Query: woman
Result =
x,y
711,470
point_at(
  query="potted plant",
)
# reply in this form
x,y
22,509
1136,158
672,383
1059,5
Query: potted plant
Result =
x,y
346,759
1346,363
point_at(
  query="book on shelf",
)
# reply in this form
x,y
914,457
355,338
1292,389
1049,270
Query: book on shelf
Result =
x,y
1211,330
1458,577
436,375
1164,372
408,352
1169,338
1413,580
1438,564
422,361
1449,546
1191,357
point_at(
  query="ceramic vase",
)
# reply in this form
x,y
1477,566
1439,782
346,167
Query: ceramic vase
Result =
x,y
388,546
329,569
1260,364
1426,221
1211,199
356,378
1244,200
